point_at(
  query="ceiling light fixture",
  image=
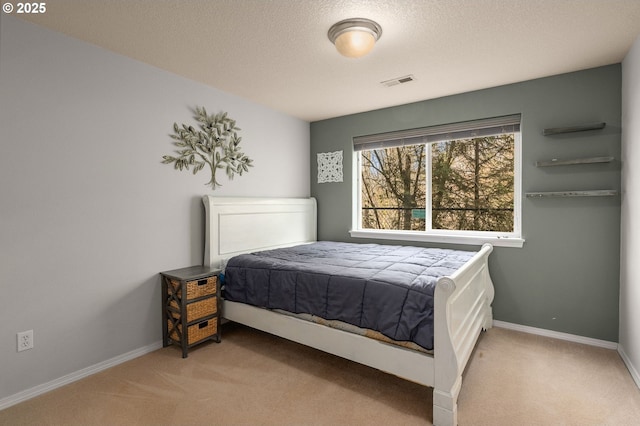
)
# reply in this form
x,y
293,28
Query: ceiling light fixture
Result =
x,y
355,37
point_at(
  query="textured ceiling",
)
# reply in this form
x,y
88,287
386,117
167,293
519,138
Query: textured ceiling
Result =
x,y
276,52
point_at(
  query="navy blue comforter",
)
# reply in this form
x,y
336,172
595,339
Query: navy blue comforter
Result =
x,y
384,288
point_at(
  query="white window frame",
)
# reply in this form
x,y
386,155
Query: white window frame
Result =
x,y
499,239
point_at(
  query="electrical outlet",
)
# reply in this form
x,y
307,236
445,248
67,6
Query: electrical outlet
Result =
x,y
25,340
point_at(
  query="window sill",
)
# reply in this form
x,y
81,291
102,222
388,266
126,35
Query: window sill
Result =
x,y
496,241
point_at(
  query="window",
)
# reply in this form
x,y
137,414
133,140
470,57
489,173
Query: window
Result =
x,y
454,183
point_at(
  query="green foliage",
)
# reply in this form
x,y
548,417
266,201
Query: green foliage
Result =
x,y
215,144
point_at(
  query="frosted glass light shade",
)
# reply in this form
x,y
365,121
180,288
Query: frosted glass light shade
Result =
x,y
355,44
355,37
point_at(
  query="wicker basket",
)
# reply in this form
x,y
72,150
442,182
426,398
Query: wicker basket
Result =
x,y
197,332
198,309
197,288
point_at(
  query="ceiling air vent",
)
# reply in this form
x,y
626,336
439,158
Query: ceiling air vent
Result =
x,y
399,80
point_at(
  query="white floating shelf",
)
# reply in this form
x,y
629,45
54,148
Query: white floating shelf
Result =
x,y
558,194
573,161
572,129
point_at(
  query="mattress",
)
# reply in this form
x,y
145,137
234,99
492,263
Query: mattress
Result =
x,y
385,288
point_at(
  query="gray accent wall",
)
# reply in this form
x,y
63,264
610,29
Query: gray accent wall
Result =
x,y
566,276
88,214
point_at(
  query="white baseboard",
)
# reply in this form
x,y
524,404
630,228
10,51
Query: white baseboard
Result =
x,y
630,366
77,375
557,335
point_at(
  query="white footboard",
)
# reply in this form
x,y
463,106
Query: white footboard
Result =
x,y
462,309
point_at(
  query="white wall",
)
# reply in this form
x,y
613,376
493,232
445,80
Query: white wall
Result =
x,y
88,214
630,227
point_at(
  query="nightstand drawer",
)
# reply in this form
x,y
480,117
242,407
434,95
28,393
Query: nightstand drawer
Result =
x,y
198,288
195,310
196,332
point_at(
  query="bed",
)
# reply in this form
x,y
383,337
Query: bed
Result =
x,y
461,300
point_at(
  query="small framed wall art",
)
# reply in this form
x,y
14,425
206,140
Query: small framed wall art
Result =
x,y
330,167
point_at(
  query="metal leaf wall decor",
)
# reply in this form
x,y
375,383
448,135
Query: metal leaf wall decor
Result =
x,y
215,144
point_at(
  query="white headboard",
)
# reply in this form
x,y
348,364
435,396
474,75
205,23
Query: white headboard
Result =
x,y
243,225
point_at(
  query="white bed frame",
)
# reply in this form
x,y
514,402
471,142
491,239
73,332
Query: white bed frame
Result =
x,y
462,300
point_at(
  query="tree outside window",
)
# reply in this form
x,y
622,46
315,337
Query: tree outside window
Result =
x,y
469,184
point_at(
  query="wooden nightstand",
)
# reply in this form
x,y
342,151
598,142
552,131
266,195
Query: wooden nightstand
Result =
x,y
190,307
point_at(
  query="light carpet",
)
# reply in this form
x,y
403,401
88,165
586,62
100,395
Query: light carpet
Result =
x,y
253,378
